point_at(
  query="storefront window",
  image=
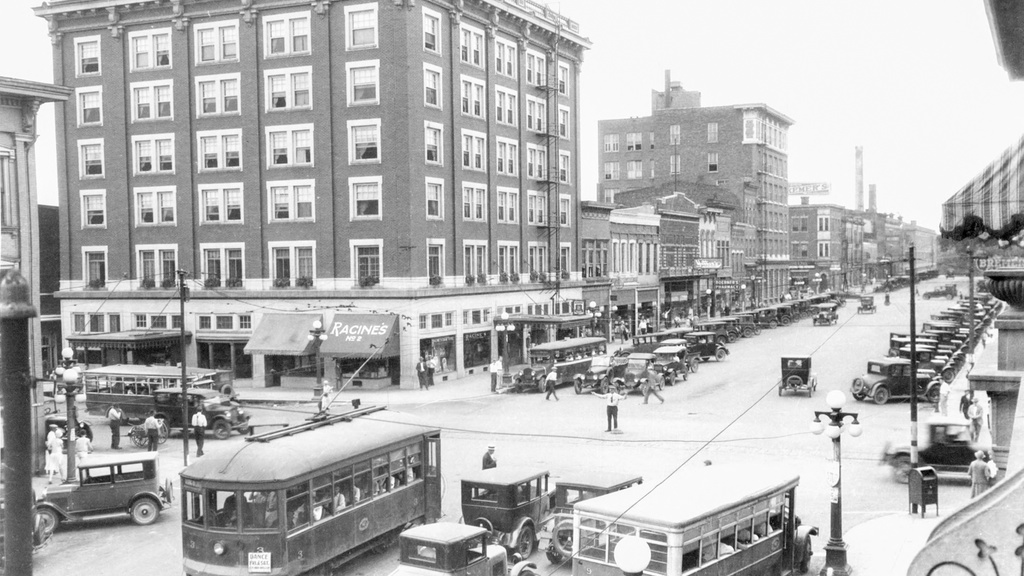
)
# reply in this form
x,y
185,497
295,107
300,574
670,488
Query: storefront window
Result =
x,y
442,349
476,349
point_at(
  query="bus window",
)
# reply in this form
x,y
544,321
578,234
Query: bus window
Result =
x,y
342,490
708,548
361,482
593,539
415,463
691,555
297,506
260,510
225,511
323,501
380,474
194,508
658,543
727,541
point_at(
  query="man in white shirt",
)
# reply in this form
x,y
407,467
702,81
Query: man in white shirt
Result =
x,y
612,407
199,430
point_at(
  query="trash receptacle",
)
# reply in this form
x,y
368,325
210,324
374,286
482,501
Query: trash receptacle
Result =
x,y
924,489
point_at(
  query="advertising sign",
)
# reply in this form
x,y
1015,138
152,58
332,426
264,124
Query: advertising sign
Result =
x,y
984,263
259,562
810,188
707,263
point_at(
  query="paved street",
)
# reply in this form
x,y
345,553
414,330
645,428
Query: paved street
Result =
x,y
729,412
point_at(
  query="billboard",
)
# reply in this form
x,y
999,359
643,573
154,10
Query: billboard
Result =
x,y
810,188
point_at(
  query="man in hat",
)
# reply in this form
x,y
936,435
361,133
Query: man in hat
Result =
x,y
978,471
974,414
114,416
489,461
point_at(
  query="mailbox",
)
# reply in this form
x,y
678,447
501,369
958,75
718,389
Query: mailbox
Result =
x,y
924,489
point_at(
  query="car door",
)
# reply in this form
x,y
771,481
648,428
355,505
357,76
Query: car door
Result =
x,y
95,492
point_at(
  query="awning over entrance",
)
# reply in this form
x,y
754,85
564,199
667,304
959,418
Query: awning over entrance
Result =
x,y
129,340
283,335
361,335
990,207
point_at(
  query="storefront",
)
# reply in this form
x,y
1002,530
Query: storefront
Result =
x,y
476,349
287,351
224,352
442,350
363,350
153,347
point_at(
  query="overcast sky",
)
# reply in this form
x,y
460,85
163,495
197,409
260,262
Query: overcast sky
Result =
x,y
916,83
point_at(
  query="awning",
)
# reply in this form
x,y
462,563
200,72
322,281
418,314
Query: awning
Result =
x,y
129,340
361,335
990,208
283,335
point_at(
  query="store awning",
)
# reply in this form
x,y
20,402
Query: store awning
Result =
x,y
129,340
361,335
283,335
559,322
990,208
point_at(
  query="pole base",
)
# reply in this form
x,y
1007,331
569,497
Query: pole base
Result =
x,y
835,561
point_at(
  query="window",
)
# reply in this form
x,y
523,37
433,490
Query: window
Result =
x,y
508,156
87,55
609,195
290,145
536,208
471,45
220,203
435,257
286,34
288,89
154,206
712,161
634,141
216,42
219,150
217,94
366,258
564,161
473,147
824,249
536,68
94,260
536,162
224,262
474,202
611,170
823,223
433,142
673,164
537,255
435,198
361,26
506,106
536,114
157,262
150,49
508,257
365,198
293,260
474,257
431,31
712,132
564,209
90,158
505,58
363,82
611,142
364,141
674,135
563,121
292,200
432,85
152,100
508,205
473,101
563,79
154,154
94,208
565,258
90,105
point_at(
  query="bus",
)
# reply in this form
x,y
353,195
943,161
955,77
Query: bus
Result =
x,y
736,520
569,358
309,497
132,386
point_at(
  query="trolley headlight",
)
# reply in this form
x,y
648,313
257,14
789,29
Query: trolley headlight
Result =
x,y
218,548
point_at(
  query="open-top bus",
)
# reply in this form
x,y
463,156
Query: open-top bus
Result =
x,y
569,358
710,520
310,497
132,386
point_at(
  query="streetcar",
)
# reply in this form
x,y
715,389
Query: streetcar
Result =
x,y
719,519
308,498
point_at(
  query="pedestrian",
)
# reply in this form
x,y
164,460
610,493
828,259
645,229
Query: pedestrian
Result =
x,y
325,402
977,472
199,427
489,461
152,427
642,326
944,390
991,470
421,372
974,414
431,367
650,383
613,397
496,369
965,403
54,451
549,384
114,416
83,447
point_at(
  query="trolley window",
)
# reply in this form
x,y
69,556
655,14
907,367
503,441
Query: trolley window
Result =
x,y
415,463
342,489
225,509
398,476
297,506
323,499
261,511
380,474
193,508
362,480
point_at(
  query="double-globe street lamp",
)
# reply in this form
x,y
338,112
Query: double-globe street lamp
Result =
x,y
317,336
69,392
833,423
595,317
504,327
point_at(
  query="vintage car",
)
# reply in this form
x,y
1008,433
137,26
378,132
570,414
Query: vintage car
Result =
x,y
948,291
898,340
945,446
119,484
556,531
705,346
724,331
766,317
825,314
867,305
786,313
222,414
748,324
60,420
797,375
446,548
889,378
930,359
598,376
630,374
671,362
509,502
691,358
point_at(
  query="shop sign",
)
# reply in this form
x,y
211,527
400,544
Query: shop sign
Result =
x,y
259,562
997,262
835,268
470,337
707,263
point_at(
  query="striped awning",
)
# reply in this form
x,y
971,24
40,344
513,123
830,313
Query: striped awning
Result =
x,y
990,208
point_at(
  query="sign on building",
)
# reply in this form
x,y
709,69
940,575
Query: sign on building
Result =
x,y
810,188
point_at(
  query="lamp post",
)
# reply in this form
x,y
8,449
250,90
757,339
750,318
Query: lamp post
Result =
x,y
69,392
743,296
595,317
318,335
503,328
708,292
632,555
833,423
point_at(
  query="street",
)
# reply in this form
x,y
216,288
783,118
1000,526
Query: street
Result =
x,y
728,412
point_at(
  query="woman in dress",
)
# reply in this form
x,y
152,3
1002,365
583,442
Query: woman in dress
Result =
x,y
54,452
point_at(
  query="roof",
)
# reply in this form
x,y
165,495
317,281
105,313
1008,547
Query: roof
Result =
x,y
598,479
305,452
640,356
674,341
504,475
795,357
444,532
670,349
712,489
700,333
109,459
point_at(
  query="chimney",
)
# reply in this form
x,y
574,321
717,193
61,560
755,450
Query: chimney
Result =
x,y
872,205
859,178
668,89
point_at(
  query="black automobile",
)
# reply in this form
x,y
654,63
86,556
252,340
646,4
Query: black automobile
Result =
x,y
671,362
946,446
705,345
630,374
889,378
597,377
222,414
948,291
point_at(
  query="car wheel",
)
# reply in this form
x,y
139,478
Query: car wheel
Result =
x,y
221,429
948,375
932,395
723,340
731,337
881,395
144,511
773,324
227,390
526,542
949,296
901,469
785,320
748,332
49,519
720,354
794,381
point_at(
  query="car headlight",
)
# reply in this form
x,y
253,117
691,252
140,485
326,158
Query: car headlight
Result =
x,y
858,385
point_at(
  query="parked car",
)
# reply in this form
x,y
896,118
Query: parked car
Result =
x,y
671,362
509,502
222,414
889,378
825,314
597,377
118,484
948,291
748,324
929,359
945,445
724,332
705,345
630,373
446,548
797,375
691,357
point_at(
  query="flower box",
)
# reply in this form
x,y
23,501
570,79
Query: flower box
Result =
x,y
147,283
436,280
212,282
368,281
304,282
282,282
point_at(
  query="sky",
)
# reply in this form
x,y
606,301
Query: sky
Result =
x,y
916,83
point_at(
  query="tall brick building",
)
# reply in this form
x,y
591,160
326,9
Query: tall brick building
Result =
x,y
741,148
386,162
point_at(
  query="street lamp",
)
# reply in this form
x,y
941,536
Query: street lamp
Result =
x,y
743,296
504,327
318,335
833,423
632,555
708,292
69,392
595,317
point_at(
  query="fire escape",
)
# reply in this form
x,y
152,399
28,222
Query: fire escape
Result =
x,y
553,174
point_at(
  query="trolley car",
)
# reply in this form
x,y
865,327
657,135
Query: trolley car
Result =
x,y
306,499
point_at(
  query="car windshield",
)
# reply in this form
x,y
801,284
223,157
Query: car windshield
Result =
x,y
665,357
636,365
600,362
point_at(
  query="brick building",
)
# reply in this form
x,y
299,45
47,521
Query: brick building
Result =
x,y
403,161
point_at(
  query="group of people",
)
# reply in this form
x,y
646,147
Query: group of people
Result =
x,y
425,369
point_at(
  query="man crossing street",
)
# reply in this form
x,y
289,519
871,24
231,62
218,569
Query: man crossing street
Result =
x,y
199,430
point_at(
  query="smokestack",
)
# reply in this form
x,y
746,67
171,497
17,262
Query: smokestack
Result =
x,y
668,89
859,177
872,205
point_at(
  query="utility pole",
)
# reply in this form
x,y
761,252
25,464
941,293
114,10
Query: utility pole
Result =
x,y
970,314
913,362
182,298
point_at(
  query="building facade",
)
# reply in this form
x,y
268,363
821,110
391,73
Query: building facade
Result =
x,y
409,159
